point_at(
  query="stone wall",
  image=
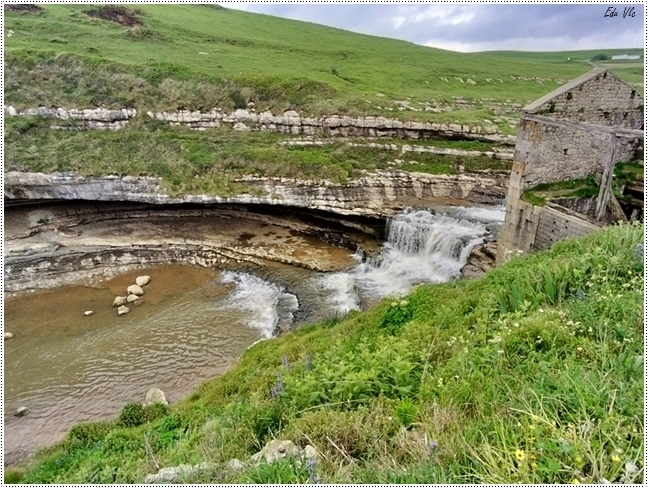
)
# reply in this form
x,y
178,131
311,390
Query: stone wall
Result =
x,y
554,151
530,228
554,226
601,98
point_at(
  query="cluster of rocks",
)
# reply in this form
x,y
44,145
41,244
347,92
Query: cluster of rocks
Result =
x,y
134,295
273,451
481,260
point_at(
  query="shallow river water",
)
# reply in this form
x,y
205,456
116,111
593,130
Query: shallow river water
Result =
x,y
194,323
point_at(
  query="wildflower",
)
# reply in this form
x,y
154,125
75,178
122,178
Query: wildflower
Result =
x,y
578,460
310,468
540,310
499,351
532,427
519,455
575,481
394,304
403,303
579,349
534,465
615,458
432,445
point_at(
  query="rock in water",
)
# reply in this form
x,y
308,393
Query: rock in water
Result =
x,y
142,280
87,313
8,335
132,298
155,395
21,411
135,290
119,301
122,310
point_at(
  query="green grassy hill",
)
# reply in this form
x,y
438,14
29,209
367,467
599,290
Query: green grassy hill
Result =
x,y
60,55
532,374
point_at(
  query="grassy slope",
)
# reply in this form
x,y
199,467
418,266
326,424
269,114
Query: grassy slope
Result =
x,y
533,373
320,69
209,162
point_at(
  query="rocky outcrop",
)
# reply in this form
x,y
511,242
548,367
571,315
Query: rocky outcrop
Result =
x,y
481,260
289,122
97,118
378,194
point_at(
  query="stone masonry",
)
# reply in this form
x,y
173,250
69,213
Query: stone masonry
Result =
x,y
581,129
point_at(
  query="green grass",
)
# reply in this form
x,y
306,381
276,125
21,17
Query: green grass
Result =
x,y
532,374
205,162
624,173
64,57
584,187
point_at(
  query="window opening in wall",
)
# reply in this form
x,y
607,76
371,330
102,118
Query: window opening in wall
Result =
x,y
604,75
565,151
633,93
625,115
569,96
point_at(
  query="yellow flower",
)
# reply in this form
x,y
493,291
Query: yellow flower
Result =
x,y
534,465
615,458
575,481
578,460
532,427
519,455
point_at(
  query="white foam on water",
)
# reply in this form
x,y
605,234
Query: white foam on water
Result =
x,y
267,304
483,214
422,247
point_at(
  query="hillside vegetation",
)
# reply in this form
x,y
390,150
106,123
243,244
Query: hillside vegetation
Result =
x,y
532,374
201,56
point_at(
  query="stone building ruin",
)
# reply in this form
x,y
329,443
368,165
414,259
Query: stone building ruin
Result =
x,y
579,131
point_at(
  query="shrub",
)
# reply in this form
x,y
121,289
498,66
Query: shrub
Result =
x,y
406,412
87,433
155,411
132,415
396,316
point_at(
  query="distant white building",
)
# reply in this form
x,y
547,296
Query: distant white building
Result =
x,y
624,57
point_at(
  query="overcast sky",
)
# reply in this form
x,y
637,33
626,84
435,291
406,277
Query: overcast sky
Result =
x,y
475,27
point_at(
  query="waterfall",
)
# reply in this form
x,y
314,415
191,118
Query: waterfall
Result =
x,y
422,247
266,304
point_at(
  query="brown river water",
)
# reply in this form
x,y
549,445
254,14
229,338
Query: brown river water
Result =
x,y
67,367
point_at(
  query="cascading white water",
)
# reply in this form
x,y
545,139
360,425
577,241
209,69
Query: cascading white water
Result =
x,y
268,305
422,246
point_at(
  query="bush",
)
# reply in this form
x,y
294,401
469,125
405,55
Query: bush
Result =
x,y
132,415
87,433
155,411
600,57
396,316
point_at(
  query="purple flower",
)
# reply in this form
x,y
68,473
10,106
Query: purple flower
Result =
x,y
432,445
310,467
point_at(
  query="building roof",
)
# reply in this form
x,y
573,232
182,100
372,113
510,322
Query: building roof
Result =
x,y
569,86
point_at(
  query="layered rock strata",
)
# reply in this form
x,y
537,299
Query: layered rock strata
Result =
x,y
378,194
289,122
